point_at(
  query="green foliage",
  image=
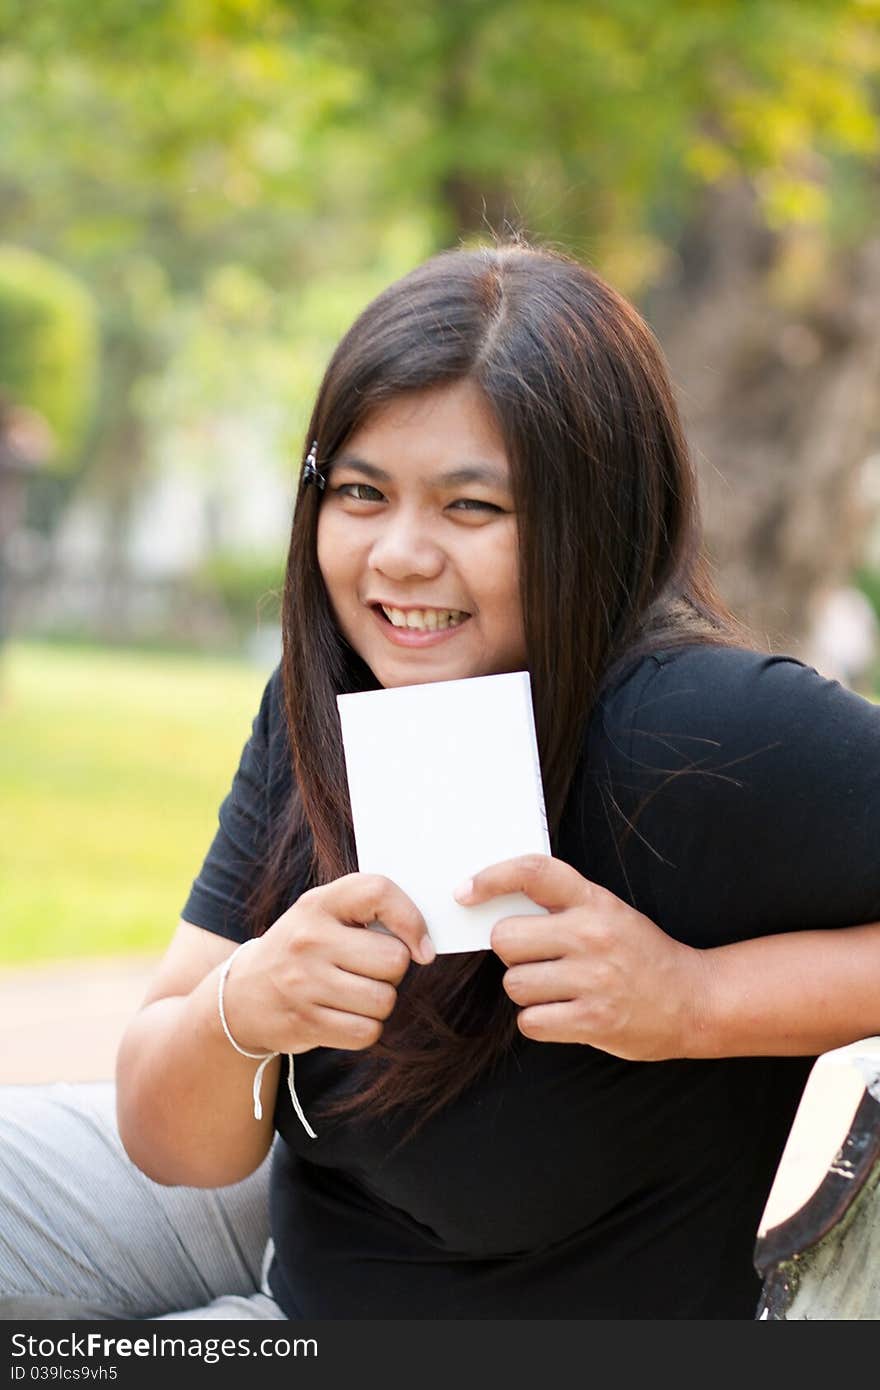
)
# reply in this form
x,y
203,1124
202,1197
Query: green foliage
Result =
x,y
48,345
232,177
597,125
290,135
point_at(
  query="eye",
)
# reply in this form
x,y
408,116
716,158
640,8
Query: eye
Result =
x,y
350,490
470,503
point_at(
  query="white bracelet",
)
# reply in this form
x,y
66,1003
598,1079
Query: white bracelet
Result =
x,y
264,1058
221,985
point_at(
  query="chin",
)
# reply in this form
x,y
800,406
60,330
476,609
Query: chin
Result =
x,y
390,680
410,672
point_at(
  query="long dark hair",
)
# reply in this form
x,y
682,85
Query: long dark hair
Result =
x,y
611,566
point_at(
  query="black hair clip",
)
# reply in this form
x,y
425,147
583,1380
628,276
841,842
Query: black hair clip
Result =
x,y
310,471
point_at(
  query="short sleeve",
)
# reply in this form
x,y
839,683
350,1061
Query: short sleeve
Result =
x,y
743,791
218,897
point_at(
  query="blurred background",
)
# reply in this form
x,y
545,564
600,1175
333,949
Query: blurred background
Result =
x,y
197,197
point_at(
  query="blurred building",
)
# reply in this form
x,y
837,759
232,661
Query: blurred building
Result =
x,y
186,513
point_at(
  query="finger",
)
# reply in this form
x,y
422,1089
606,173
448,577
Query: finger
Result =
x,y
545,982
549,1023
549,882
519,939
351,1032
355,994
370,953
364,898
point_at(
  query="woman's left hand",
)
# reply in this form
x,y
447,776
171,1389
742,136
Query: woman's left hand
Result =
x,y
592,969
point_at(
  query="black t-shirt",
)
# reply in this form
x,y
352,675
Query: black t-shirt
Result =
x,y
724,793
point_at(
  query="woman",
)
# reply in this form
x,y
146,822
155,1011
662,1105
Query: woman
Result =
x,y
584,1121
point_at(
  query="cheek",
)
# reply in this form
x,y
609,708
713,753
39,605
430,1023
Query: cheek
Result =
x,y
501,573
498,584
340,559
334,557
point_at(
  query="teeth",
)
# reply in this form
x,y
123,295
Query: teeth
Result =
x,y
424,619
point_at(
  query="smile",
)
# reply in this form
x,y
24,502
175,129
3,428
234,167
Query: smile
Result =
x,y
424,619
419,627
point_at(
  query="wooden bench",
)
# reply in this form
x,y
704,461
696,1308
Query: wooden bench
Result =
x,y
818,1243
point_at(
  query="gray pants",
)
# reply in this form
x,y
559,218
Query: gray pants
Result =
x,y
84,1235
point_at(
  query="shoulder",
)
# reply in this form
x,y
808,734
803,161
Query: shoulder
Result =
x,y
269,726
705,700
273,719
738,788
271,710
264,767
272,713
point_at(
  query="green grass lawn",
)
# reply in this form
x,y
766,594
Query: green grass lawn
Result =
x,y
112,767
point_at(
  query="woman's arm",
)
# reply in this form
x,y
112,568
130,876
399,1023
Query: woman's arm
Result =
x,y
315,978
734,798
797,994
594,970
183,1093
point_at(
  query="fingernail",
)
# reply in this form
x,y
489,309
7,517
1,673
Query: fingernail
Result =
x,y
464,890
427,950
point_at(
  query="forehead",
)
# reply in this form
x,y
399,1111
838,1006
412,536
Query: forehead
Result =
x,y
441,428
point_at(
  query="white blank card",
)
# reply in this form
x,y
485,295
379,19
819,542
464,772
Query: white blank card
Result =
x,y
444,780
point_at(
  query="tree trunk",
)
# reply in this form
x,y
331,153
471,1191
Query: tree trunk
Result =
x,y
117,474
777,376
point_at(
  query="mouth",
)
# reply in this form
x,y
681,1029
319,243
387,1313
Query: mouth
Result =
x,y
421,619
419,627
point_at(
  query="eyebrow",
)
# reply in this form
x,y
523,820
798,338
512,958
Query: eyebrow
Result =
x,y
455,477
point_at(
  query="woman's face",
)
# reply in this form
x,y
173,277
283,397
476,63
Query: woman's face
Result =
x,y
417,541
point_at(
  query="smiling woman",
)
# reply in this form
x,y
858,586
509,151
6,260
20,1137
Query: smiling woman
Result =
x,y
585,1120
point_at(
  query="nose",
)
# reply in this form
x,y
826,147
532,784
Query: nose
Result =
x,y
406,549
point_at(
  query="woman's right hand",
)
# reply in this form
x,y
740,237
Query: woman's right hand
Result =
x,y
317,978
